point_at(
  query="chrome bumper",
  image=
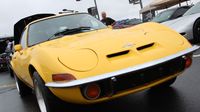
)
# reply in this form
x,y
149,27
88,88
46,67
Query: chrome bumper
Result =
x,y
120,72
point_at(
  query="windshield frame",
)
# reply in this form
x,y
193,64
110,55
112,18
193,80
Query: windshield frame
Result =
x,y
166,11
57,16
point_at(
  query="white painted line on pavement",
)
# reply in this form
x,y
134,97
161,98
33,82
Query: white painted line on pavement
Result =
x,y
7,86
196,56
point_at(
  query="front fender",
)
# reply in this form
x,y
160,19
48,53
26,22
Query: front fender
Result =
x,y
37,68
46,65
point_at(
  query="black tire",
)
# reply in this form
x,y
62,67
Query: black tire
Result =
x,y
22,88
165,84
11,72
47,102
196,31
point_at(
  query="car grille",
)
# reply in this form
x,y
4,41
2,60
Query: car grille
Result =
x,y
138,78
148,75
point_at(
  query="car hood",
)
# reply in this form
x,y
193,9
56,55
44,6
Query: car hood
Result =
x,y
85,51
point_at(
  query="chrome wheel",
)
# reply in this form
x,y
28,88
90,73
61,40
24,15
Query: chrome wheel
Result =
x,y
45,99
16,83
40,99
22,88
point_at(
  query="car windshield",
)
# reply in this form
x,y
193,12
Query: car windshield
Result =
x,y
164,16
62,25
195,9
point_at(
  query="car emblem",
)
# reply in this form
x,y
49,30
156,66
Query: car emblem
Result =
x,y
128,45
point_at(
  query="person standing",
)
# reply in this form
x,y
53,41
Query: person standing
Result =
x,y
9,47
107,20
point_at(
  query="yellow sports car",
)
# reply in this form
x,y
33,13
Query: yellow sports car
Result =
x,y
76,58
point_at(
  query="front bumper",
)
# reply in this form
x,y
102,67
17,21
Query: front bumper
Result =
x,y
121,72
129,80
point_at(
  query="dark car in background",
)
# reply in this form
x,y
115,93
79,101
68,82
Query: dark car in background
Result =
x,y
2,45
3,65
4,56
171,14
3,62
126,23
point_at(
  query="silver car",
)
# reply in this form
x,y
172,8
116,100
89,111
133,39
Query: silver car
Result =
x,y
171,14
188,25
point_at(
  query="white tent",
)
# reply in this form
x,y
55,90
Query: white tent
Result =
x,y
166,3
148,8
160,4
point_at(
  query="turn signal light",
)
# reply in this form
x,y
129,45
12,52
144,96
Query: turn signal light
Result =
x,y
188,61
62,77
92,91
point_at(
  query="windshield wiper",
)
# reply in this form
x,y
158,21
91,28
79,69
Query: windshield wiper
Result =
x,y
69,31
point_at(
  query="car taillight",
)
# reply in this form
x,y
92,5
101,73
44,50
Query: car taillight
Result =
x,y
92,91
188,61
62,77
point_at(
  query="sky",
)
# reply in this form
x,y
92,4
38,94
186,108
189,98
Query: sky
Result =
x,y
13,10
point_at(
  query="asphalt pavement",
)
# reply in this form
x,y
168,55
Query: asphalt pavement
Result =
x,y
182,96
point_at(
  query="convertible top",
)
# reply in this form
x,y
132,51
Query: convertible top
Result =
x,y
21,24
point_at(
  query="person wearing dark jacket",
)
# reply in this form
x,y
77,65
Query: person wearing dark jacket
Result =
x,y
107,20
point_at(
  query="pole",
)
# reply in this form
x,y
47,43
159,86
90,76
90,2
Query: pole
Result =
x,y
141,4
95,2
187,3
179,3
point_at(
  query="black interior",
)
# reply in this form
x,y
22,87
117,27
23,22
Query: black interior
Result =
x,y
21,24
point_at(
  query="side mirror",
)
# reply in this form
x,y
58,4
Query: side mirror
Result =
x,y
18,47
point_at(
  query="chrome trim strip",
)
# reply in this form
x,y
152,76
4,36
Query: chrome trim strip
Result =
x,y
120,72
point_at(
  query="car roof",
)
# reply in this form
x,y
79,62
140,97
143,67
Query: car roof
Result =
x,y
187,6
56,15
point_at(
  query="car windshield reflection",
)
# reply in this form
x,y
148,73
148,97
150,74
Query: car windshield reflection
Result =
x,y
59,26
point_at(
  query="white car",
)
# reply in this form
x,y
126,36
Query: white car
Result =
x,y
188,25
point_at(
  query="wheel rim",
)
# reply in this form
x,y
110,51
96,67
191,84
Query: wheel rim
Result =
x,y
16,83
40,99
198,29
198,33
